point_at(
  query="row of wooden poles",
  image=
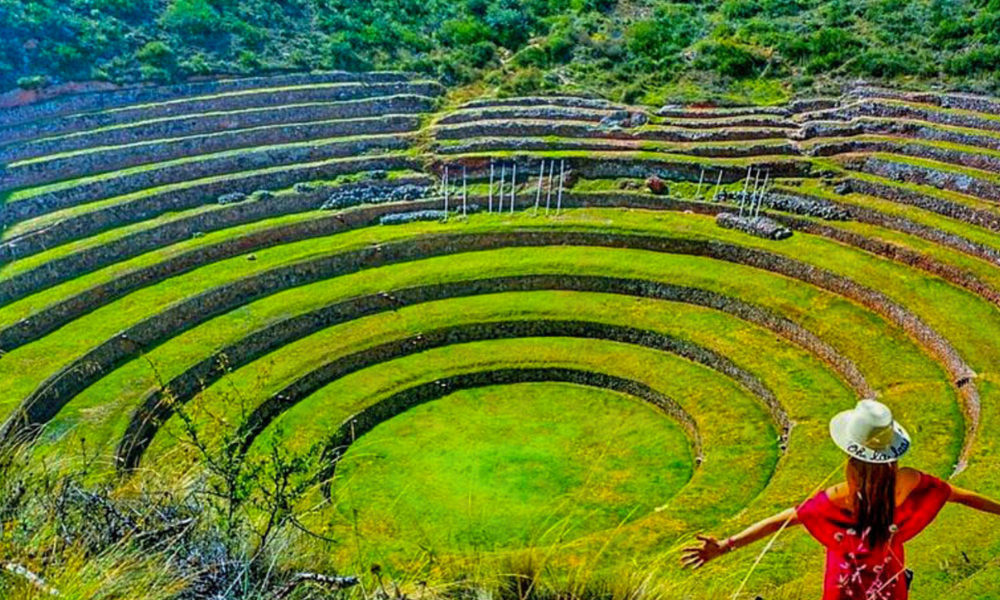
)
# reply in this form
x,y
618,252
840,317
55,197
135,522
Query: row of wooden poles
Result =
x,y
756,199
512,195
752,207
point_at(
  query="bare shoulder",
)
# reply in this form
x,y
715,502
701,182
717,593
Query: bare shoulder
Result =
x,y
907,478
838,494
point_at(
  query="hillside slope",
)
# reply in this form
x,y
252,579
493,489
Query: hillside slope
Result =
x,y
652,50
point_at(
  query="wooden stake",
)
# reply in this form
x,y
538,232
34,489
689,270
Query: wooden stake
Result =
x,y
715,194
562,177
513,189
753,196
538,195
446,189
548,196
491,186
503,179
746,186
763,190
465,192
701,178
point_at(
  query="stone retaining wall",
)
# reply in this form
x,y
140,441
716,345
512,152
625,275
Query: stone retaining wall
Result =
x,y
579,130
533,113
567,101
87,369
876,126
146,94
144,424
259,155
597,145
366,420
183,126
265,98
876,108
685,112
904,225
947,208
944,155
730,122
153,412
91,259
944,180
183,198
983,104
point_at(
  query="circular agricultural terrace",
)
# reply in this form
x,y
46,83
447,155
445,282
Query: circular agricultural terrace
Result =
x,y
572,359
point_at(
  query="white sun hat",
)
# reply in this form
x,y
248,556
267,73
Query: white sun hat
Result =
x,y
869,433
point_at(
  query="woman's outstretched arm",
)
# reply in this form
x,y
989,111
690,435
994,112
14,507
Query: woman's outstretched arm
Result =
x,y
711,548
974,500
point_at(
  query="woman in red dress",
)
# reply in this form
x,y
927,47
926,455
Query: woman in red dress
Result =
x,y
864,521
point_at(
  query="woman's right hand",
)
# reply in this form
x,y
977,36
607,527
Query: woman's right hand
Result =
x,y
694,557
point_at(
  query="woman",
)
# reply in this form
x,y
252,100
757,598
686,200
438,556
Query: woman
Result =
x,y
863,522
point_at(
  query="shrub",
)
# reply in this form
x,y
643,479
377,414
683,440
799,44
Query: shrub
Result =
x,y
523,83
975,61
663,38
462,32
32,82
156,62
739,9
730,59
887,63
480,54
560,45
156,54
532,56
825,49
782,8
340,55
510,26
192,17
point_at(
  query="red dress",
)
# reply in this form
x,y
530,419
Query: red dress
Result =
x,y
854,571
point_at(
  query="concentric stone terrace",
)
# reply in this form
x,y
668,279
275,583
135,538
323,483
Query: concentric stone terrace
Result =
x,y
539,348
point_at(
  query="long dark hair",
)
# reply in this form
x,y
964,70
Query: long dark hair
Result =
x,y
873,489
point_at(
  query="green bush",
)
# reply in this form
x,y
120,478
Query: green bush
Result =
x,y
249,61
509,25
480,54
340,55
886,63
663,38
975,61
731,59
192,17
460,32
559,46
522,83
739,9
32,82
824,50
156,54
531,56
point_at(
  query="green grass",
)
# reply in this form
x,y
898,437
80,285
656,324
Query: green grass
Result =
x,y
85,332
907,382
940,109
585,460
53,217
37,260
249,92
742,456
185,116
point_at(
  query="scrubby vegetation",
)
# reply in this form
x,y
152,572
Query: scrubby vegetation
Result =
x,y
650,50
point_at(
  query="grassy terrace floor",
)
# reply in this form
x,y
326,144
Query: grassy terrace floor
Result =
x,y
597,478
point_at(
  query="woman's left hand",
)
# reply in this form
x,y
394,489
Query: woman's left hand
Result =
x,y
696,556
